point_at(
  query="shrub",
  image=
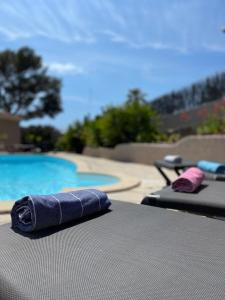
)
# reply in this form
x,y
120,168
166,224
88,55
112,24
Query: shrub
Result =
x,y
215,124
134,121
72,139
43,137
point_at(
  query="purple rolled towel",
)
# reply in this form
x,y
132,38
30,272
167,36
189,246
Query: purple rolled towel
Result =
x,y
188,181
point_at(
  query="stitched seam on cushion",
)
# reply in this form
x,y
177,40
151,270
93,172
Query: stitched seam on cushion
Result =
x,y
35,217
60,209
96,197
82,208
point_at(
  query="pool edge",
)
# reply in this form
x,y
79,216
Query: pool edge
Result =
x,y
125,182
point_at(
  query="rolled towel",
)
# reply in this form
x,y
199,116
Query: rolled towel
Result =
x,y
188,181
173,159
211,166
33,213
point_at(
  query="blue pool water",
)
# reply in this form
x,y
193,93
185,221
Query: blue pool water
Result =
x,y
22,175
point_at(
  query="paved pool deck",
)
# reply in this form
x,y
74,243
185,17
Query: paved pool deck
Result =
x,y
136,180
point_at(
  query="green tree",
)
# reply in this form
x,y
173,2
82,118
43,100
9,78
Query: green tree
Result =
x,y
208,90
25,88
92,132
135,121
43,137
72,139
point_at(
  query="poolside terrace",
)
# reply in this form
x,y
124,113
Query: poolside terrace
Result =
x,y
137,179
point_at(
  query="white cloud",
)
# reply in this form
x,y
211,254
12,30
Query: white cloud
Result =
x,y
65,68
214,48
117,38
61,21
14,34
114,37
176,25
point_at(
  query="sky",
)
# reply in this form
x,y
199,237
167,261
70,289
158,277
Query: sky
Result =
x,y
103,48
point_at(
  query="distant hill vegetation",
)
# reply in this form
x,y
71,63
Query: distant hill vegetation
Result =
x,y
208,90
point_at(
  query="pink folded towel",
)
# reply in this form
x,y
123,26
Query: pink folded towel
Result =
x,y
188,181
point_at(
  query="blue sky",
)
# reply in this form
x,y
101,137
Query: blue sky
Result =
x,y
103,48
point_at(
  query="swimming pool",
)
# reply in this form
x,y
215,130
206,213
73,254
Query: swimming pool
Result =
x,y
22,175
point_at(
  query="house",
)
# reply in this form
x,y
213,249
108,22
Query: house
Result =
x,y
9,131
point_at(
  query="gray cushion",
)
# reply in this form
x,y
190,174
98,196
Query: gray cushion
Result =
x,y
133,252
209,199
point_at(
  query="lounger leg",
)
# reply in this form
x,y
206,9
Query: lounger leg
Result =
x,y
168,181
177,171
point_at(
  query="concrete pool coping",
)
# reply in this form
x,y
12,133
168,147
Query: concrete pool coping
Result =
x,y
125,182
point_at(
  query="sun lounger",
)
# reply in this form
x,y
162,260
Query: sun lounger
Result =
x,y
208,200
178,168
214,177
132,252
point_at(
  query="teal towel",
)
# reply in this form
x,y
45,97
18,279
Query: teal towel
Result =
x,y
211,166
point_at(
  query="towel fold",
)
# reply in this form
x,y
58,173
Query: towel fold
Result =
x,y
211,166
173,159
188,181
33,213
